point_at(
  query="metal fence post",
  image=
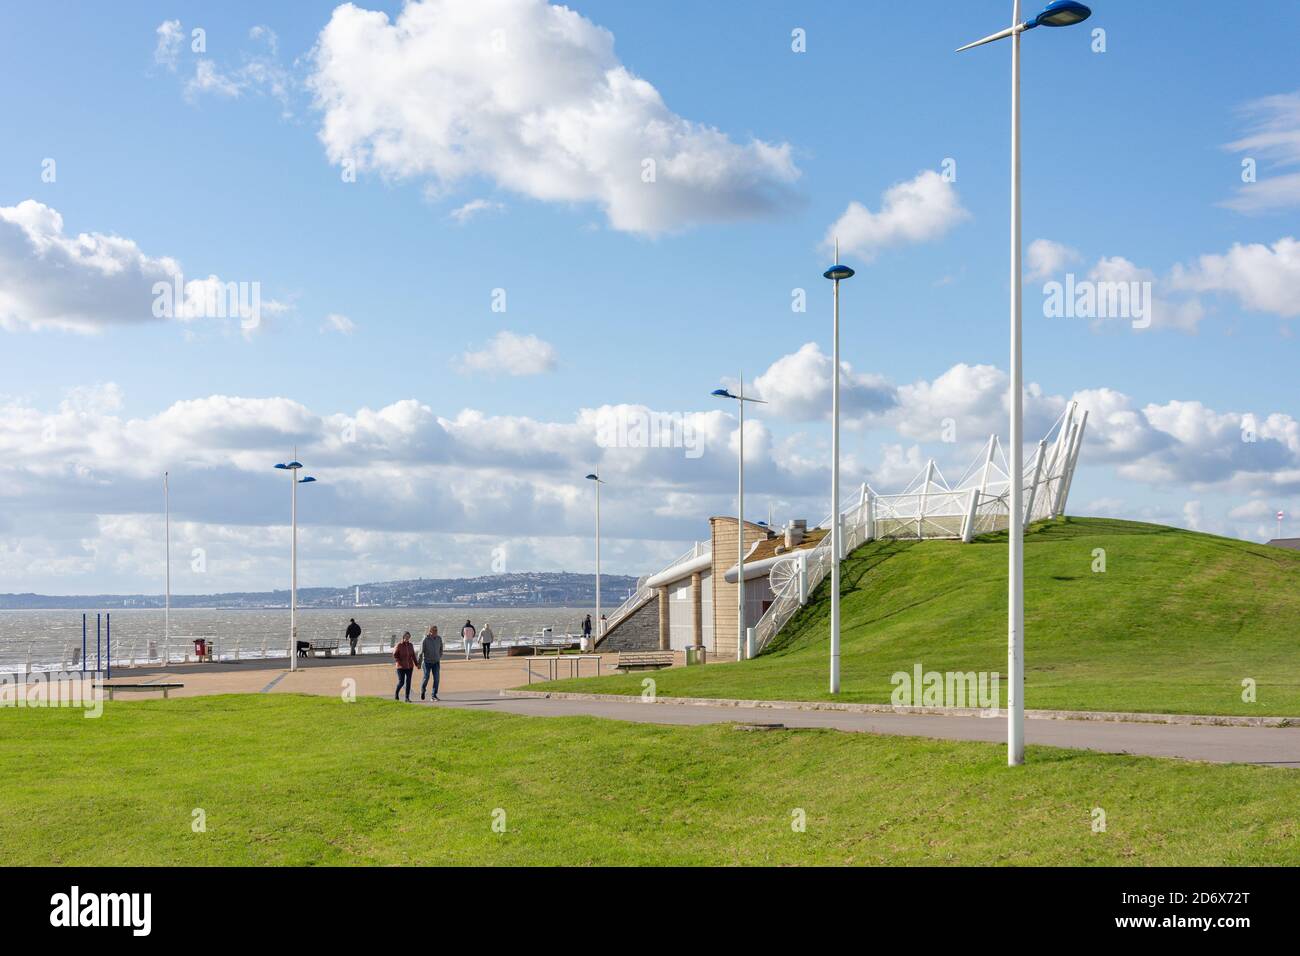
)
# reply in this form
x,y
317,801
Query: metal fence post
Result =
x,y
968,526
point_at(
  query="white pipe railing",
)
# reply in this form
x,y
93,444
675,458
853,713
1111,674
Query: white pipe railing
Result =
x,y
642,593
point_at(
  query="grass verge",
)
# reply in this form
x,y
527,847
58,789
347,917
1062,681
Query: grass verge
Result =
x,y
286,779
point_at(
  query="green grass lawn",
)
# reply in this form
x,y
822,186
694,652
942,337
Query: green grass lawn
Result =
x,y
1173,625
285,779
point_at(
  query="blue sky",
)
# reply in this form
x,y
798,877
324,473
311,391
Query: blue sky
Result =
x,y
217,160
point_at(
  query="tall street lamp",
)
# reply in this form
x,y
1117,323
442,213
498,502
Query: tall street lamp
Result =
x,y
836,273
1062,13
600,630
167,608
293,467
742,651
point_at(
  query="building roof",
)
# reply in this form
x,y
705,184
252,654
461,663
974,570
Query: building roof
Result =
x,y
775,546
1292,543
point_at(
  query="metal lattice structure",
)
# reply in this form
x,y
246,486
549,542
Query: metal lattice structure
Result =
x,y
929,507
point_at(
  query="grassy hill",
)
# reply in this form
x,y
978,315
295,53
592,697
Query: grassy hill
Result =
x,y
1174,624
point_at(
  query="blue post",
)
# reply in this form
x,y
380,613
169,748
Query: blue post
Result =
x,y
99,664
83,643
109,625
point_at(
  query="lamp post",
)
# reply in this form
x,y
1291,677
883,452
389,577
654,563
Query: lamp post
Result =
x,y
167,608
1061,13
600,629
740,400
836,273
293,467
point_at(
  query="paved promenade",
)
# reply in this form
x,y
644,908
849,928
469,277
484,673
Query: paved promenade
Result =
x,y
373,673
1263,745
477,684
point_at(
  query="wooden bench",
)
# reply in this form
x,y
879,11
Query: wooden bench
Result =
x,y
162,687
324,647
644,660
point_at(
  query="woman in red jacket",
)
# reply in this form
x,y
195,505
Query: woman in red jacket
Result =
x,y
404,654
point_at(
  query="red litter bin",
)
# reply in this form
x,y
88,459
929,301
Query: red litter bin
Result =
x,y
200,648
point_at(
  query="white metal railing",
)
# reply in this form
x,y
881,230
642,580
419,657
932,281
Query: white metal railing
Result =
x,y
635,600
817,564
643,593
929,508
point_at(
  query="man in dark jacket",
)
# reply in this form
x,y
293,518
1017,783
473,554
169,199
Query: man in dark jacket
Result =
x,y
354,634
431,660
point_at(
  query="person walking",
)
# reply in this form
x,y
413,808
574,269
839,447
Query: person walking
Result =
x,y
431,660
404,654
486,637
353,634
586,630
467,634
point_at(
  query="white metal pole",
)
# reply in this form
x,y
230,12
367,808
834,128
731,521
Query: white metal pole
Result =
x,y
740,534
1033,485
167,611
835,488
1058,502
925,494
600,627
988,465
293,569
1016,556
1074,462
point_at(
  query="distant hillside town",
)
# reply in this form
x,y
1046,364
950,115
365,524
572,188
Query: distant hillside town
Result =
x,y
528,589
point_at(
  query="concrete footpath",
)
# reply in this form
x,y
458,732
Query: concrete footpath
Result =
x,y
485,685
1274,746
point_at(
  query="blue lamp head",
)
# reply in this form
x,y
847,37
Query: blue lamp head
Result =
x,y
593,478
303,481
838,272
290,466
1062,13
721,393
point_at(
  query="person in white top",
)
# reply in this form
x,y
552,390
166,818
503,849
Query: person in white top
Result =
x,y
467,634
485,638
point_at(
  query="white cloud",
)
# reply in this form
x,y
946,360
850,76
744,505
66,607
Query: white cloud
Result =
x,y
923,208
898,466
532,97
258,70
402,487
92,280
88,477
1167,309
170,39
334,322
209,79
508,353
798,387
1273,136
84,283
1045,259
463,214
1262,278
